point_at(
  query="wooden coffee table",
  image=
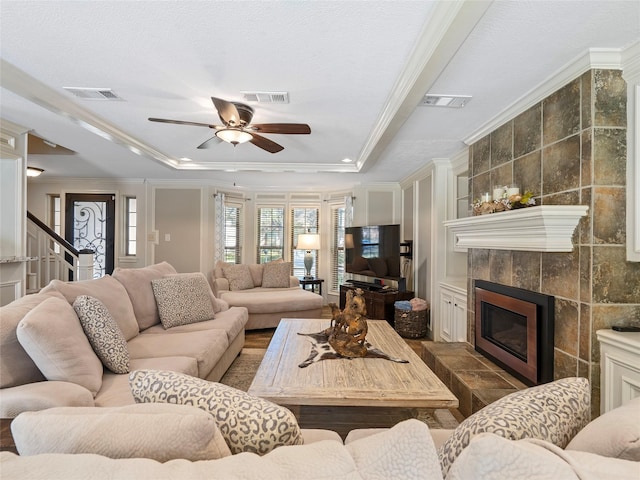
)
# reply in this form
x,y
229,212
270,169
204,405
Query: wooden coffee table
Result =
x,y
376,390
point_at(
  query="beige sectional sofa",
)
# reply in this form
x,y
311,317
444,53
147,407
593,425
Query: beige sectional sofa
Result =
x,y
268,291
539,433
46,359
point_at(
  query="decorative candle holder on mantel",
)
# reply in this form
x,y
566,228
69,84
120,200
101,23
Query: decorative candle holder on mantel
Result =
x,y
545,228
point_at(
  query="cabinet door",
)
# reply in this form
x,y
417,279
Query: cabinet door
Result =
x,y
446,306
459,319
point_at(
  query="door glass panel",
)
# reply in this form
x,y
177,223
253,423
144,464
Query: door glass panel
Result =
x,y
89,231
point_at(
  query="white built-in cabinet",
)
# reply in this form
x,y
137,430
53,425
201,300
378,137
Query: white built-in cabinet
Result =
x,y
619,368
453,313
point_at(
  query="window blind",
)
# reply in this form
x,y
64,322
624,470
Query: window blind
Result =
x,y
270,234
337,248
303,220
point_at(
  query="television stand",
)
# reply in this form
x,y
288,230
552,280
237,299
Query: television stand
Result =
x,y
365,285
379,302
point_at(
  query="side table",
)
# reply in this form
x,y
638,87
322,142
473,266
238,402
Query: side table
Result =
x,y
312,282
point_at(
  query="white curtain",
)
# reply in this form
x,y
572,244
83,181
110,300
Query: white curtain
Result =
x,y
219,227
348,211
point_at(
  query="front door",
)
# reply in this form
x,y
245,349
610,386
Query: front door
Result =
x,y
90,223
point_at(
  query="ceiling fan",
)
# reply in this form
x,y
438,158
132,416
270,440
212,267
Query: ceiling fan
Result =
x,y
237,127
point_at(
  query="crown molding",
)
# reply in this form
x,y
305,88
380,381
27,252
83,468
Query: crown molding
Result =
x,y
604,58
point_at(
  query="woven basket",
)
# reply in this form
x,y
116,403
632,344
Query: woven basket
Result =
x,y
411,324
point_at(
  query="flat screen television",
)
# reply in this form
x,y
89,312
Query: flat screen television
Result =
x,y
373,251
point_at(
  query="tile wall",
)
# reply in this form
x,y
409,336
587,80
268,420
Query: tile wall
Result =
x,y
568,149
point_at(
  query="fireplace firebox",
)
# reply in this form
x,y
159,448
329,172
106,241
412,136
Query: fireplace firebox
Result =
x,y
514,328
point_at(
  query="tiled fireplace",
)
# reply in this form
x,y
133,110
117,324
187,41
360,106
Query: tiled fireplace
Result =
x,y
569,149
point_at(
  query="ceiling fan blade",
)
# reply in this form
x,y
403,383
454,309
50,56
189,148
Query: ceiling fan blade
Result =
x,y
288,128
181,122
227,111
266,144
212,142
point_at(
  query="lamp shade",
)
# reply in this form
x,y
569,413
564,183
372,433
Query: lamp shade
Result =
x,y
308,241
348,240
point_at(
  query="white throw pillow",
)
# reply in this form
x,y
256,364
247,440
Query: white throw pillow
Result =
x,y
615,434
52,336
161,432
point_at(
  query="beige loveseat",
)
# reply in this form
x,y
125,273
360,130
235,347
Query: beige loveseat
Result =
x,y
539,433
268,291
47,358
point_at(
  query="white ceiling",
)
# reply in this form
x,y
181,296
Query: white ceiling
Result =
x,y
354,71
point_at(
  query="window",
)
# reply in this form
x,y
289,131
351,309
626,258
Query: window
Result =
x,y
130,220
270,234
233,233
337,248
303,220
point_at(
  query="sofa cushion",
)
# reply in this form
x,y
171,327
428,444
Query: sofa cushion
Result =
x,y
272,300
232,321
110,292
256,270
614,434
183,299
115,391
276,275
103,333
16,366
159,431
42,395
554,412
239,276
137,282
52,336
403,452
206,346
248,423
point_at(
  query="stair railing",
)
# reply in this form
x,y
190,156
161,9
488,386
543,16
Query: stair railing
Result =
x,y
55,258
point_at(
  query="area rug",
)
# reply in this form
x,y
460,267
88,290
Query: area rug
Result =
x,y
244,368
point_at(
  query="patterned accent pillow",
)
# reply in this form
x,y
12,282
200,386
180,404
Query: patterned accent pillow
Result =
x,y
239,276
104,335
248,423
183,299
276,275
553,412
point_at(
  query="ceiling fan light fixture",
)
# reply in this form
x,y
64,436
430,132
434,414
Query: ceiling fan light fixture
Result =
x,y
234,135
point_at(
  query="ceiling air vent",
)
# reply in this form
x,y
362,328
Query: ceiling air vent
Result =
x,y
93,93
450,101
266,97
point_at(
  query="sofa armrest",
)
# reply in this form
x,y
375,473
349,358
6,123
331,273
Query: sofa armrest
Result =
x,y
294,281
42,395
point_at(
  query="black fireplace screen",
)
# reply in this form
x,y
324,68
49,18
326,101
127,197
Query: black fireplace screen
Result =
x,y
506,329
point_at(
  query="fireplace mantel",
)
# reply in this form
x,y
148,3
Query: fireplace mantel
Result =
x,y
544,228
